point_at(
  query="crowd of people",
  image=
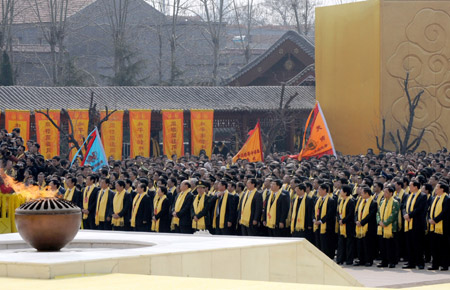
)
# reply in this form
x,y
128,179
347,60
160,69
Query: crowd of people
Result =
x,y
356,209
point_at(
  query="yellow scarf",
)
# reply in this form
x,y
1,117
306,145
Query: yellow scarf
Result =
x,y
400,197
102,201
379,198
223,209
87,194
69,194
157,206
342,214
117,207
411,202
136,203
247,207
358,201
385,213
323,226
198,205
436,209
178,205
363,211
272,209
300,225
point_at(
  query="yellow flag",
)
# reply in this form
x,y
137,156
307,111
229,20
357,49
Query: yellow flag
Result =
x,y
173,133
252,149
319,142
202,131
112,134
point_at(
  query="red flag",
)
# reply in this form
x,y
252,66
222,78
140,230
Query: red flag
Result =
x,y
252,149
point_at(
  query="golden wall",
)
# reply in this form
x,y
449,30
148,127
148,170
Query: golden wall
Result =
x,y
348,73
363,51
416,38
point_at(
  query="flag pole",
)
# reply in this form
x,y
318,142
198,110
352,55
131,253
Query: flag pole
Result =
x,y
81,147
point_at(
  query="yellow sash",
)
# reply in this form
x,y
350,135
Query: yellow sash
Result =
x,y
400,217
117,207
102,201
363,211
223,209
272,210
157,207
436,209
300,225
247,207
136,203
86,196
198,205
323,226
409,224
178,205
69,194
385,213
342,213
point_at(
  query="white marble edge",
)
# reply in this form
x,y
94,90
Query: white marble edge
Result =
x,y
164,244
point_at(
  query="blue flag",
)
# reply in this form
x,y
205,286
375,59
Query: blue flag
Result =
x,y
95,153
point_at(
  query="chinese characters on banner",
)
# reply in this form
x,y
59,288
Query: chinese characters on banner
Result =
x,y
202,131
252,148
140,127
112,134
47,134
18,119
80,121
319,142
173,133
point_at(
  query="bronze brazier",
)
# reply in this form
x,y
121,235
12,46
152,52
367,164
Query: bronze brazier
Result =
x,y
48,224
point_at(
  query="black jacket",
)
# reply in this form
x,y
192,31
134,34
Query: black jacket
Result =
x,y
205,212
256,208
418,214
144,213
371,219
92,203
349,219
330,216
309,212
230,209
444,215
283,205
184,214
164,217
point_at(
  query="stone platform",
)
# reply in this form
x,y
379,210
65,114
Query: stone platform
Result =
x,y
202,256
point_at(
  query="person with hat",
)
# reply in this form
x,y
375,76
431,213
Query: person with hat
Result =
x,y
200,210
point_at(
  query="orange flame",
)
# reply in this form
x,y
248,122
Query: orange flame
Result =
x,y
27,192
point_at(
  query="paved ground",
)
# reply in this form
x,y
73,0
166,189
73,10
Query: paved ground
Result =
x,y
397,278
